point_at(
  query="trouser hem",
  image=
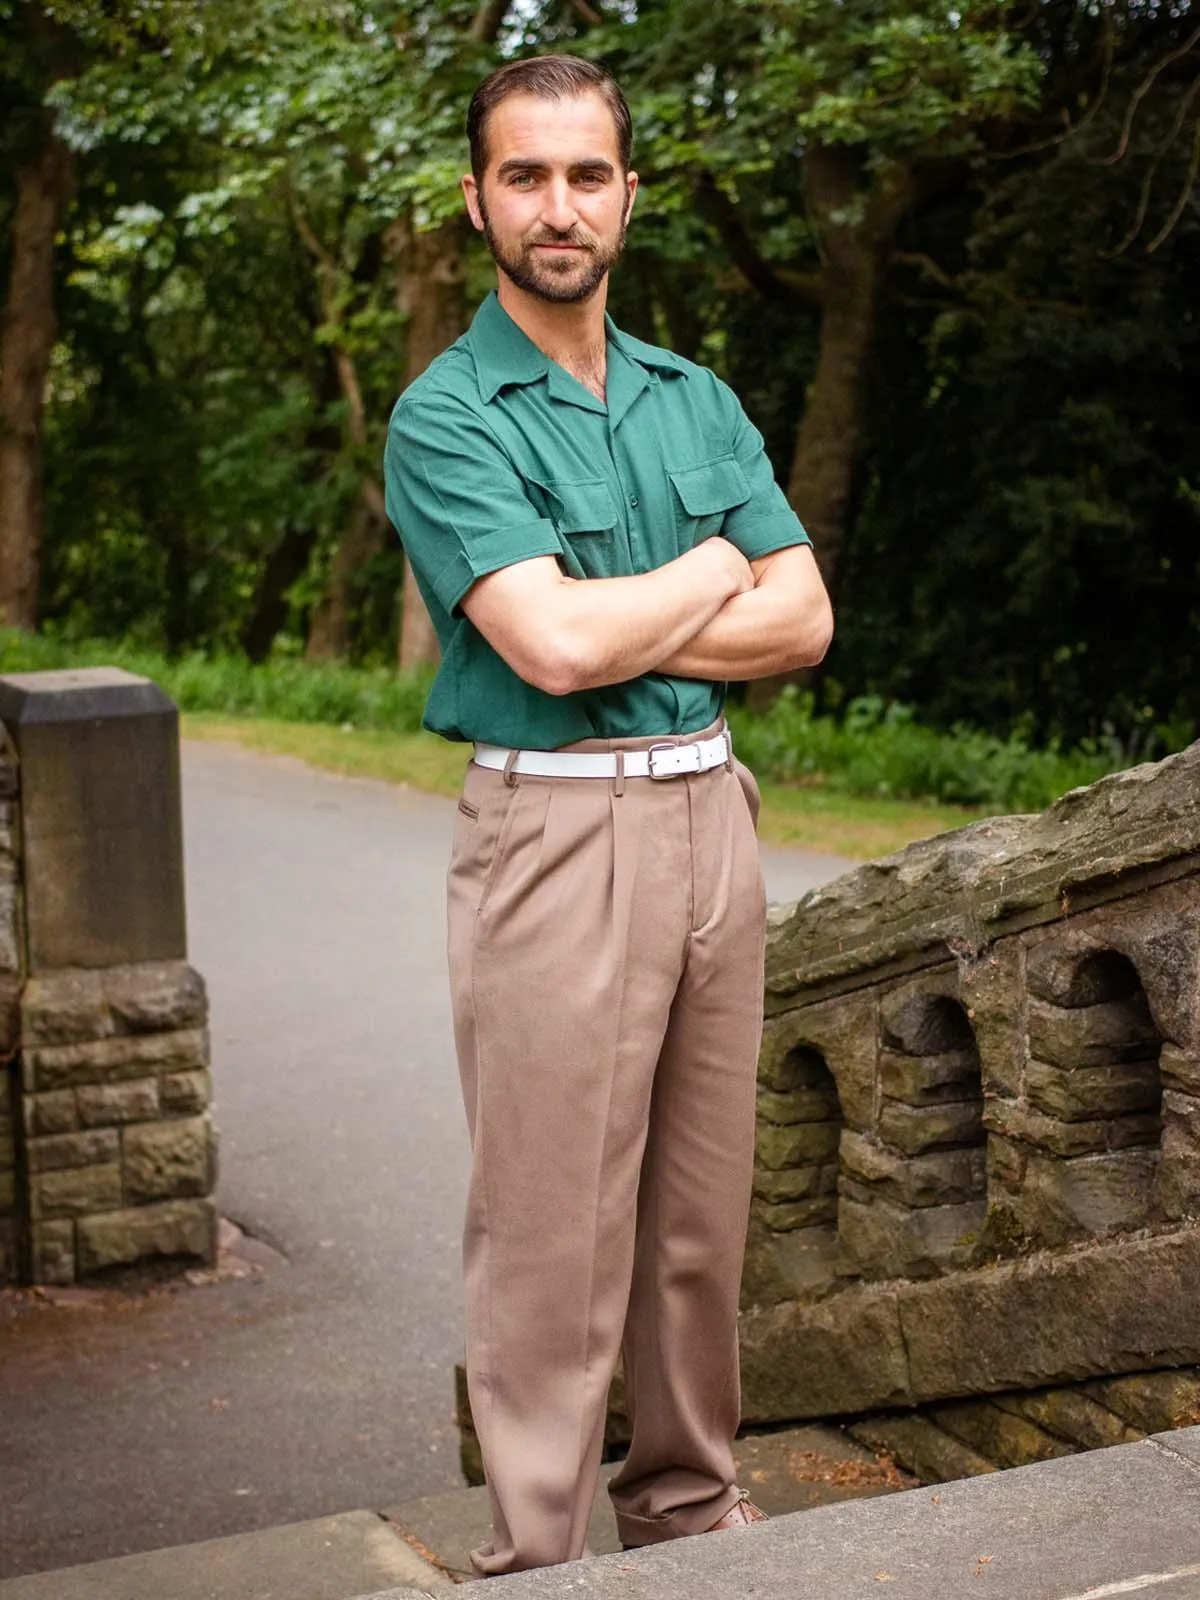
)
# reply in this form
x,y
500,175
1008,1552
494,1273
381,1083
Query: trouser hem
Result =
x,y
680,1524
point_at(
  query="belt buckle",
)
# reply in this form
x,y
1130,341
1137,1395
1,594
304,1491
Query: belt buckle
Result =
x,y
676,750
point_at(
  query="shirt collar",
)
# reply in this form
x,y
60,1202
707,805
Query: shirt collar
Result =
x,y
505,355
649,356
502,353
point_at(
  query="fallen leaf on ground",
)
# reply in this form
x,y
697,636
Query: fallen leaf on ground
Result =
x,y
809,1466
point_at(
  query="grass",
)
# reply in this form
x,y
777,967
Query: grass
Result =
x,y
809,817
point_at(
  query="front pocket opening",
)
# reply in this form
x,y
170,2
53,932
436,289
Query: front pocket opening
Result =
x,y
586,507
711,487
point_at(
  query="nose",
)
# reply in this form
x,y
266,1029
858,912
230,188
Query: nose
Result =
x,y
558,208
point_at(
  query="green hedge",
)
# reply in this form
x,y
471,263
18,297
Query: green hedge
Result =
x,y
878,749
288,690
873,749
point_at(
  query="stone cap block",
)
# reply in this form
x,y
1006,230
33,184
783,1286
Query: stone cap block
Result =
x,y
76,694
100,815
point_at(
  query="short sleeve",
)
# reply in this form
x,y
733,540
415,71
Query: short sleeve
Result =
x,y
455,498
766,522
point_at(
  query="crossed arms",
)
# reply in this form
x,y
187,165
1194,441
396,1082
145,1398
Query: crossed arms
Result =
x,y
710,613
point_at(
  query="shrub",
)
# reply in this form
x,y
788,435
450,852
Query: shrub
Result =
x,y
291,691
878,749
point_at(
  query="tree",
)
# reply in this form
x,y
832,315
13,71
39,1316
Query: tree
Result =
x,y
37,52
850,114
974,295
1032,447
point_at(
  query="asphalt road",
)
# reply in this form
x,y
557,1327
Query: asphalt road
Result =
x,y
324,1382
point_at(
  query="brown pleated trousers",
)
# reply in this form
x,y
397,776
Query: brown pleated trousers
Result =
x,y
606,949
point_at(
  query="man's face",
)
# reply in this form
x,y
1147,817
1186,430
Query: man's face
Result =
x,y
554,201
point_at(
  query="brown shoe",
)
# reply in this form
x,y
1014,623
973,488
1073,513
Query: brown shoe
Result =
x,y
741,1514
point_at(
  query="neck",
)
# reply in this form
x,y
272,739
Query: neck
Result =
x,y
571,334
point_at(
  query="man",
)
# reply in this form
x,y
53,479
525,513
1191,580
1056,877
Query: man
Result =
x,y
600,541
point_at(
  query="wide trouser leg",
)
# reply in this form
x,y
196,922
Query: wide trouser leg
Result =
x,y
569,915
680,1344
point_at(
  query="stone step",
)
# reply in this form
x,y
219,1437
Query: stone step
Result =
x,y
1101,1524
791,1470
1085,1527
425,1544
343,1557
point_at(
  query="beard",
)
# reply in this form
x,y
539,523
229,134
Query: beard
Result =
x,y
557,280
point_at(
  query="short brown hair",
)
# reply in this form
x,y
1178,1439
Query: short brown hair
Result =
x,y
550,78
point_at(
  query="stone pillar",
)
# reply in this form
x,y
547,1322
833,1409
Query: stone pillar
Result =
x,y
115,1147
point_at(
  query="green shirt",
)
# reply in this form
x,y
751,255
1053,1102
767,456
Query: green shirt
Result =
x,y
495,454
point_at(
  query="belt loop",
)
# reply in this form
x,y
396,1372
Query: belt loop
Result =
x,y
619,779
510,762
728,750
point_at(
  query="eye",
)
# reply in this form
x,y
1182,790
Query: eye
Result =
x,y
521,180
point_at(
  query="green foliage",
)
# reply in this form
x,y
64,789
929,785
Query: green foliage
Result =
x,y
286,690
874,750
881,750
1026,545
1023,539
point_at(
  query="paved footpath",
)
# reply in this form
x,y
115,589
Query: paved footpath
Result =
x,y
322,1383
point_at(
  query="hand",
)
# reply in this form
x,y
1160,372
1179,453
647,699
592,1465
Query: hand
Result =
x,y
731,563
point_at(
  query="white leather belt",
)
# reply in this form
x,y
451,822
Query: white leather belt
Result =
x,y
659,761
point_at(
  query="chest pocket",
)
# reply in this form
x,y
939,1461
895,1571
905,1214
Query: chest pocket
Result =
x,y
706,492
584,516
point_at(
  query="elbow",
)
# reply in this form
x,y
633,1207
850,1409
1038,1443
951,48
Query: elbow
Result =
x,y
816,637
559,666
555,680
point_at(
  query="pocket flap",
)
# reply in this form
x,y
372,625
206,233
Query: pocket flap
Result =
x,y
586,507
714,486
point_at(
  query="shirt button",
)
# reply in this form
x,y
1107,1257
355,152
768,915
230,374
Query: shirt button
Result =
x,y
633,501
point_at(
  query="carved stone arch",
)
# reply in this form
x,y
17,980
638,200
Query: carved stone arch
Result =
x,y
1077,1152
1094,1045
816,1079
799,1128
913,1185
1156,933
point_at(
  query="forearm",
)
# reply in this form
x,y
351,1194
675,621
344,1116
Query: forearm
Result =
x,y
614,629
779,626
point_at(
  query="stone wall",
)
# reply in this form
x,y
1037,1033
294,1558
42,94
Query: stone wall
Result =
x,y
10,967
963,1438
107,1145
119,1142
979,1111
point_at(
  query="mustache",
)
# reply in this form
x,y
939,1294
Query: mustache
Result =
x,y
581,241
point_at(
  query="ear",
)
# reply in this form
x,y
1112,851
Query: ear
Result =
x,y
631,188
470,191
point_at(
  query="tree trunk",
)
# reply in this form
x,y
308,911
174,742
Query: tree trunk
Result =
x,y
429,288
856,232
289,559
26,341
329,635
285,565
429,267
332,626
